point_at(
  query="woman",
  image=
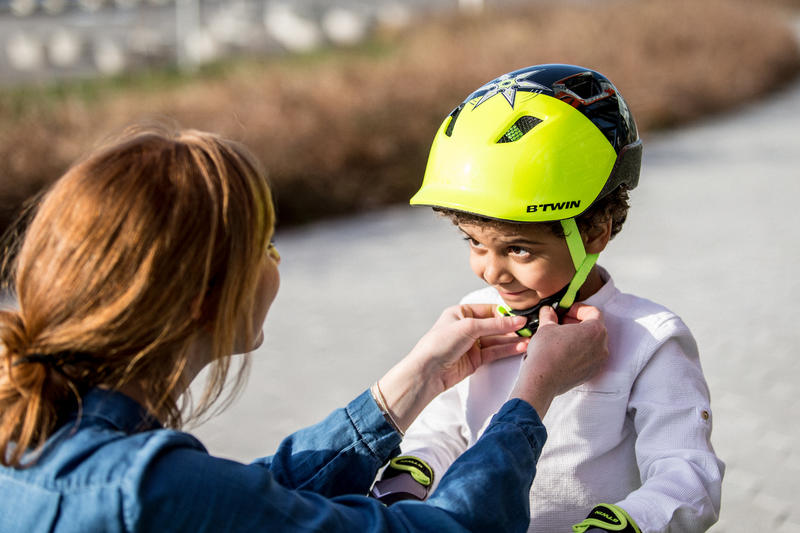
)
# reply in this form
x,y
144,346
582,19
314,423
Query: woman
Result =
x,y
152,259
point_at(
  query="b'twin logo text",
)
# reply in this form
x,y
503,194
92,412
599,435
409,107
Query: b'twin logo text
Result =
x,y
535,208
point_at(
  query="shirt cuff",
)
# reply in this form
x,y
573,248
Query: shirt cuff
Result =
x,y
376,433
524,416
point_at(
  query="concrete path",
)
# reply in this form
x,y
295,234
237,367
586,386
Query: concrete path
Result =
x,y
712,234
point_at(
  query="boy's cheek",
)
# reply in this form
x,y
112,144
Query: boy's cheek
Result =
x,y
476,265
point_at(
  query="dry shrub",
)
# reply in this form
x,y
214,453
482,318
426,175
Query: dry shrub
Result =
x,y
351,130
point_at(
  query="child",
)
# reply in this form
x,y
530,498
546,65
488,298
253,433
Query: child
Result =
x,y
534,168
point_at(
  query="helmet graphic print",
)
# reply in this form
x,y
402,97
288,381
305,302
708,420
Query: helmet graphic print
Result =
x,y
538,144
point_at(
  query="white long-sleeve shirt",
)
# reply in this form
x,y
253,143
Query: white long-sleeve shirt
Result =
x,y
637,435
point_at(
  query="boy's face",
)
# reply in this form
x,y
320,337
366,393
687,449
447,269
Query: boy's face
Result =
x,y
524,265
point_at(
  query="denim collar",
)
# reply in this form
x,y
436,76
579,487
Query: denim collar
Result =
x,y
118,410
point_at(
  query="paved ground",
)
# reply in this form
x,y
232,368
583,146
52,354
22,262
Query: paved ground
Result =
x,y
712,234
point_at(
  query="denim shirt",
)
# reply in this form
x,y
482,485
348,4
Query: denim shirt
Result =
x,y
115,469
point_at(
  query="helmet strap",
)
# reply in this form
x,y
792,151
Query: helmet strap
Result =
x,y
582,261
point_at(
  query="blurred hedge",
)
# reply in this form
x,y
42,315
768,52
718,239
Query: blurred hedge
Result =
x,y
348,130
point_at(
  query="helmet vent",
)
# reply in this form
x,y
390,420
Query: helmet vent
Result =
x,y
452,124
522,126
584,85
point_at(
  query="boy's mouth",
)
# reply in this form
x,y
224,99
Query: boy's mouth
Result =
x,y
503,290
511,293
521,299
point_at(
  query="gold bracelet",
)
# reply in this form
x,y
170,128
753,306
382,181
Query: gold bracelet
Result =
x,y
377,395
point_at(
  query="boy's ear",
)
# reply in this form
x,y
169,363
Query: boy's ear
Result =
x,y
596,239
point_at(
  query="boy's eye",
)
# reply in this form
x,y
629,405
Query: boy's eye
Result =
x,y
518,251
472,242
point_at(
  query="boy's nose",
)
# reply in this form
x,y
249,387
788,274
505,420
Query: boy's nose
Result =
x,y
495,273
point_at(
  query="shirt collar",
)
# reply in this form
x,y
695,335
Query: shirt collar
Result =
x,y
605,293
120,411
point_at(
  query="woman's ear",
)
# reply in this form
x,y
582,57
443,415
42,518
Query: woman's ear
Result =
x,y
596,239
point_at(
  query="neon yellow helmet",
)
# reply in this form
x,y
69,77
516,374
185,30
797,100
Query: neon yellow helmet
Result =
x,y
538,144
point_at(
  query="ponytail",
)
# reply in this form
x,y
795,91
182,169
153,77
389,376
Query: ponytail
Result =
x,y
34,393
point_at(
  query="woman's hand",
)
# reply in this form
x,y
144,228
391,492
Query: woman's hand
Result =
x,y
462,339
560,357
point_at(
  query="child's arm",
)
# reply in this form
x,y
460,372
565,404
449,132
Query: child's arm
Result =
x,y
669,404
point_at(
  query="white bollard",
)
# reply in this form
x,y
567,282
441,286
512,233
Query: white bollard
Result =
x,y
109,58
64,48
344,27
25,52
290,30
231,24
201,47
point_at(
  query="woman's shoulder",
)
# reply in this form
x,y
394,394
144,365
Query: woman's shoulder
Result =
x,y
96,456
90,461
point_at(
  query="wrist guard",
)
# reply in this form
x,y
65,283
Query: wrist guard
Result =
x,y
607,517
405,478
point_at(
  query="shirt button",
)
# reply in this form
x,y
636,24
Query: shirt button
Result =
x,y
705,415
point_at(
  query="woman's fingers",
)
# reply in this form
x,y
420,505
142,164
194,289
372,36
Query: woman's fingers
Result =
x,y
480,320
581,312
494,348
477,310
495,340
547,315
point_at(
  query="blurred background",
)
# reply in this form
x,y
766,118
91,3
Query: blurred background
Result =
x,y
330,94
340,101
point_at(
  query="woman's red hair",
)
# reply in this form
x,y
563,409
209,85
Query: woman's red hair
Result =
x,y
136,249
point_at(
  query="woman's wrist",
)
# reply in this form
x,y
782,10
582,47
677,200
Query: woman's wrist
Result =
x,y
538,399
406,389
377,395
533,387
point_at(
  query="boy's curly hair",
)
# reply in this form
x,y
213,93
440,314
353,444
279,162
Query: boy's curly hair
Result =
x,y
613,206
